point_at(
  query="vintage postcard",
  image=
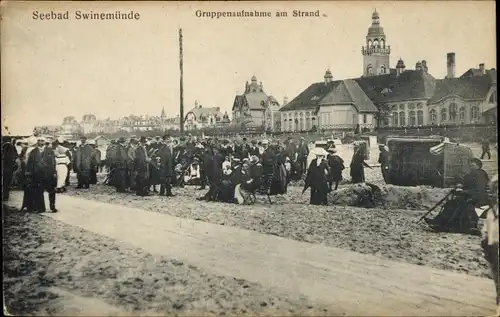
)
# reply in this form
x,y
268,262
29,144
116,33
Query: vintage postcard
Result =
x,y
315,158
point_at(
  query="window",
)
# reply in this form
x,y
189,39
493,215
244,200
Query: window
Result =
x,y
453,112
420,117
461,114
308,123
382,69
382,43
369,70
369,43
375,43
420,105
443,115
394,119
413,119
364,119
401,107
402,119
474,113
493,97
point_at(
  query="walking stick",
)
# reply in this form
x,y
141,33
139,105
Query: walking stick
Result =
x,y
107,177
437,204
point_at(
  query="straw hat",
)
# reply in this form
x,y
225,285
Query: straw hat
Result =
x,y
319,151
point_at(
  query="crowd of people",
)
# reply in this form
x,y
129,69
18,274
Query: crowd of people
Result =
x,y
231,169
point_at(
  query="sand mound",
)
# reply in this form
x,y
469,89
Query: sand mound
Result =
x,y
387,196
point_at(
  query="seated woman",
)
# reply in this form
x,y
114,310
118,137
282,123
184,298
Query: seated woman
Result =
x,y
458,214
193,173
226,187
248,181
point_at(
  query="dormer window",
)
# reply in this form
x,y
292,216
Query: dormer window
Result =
x,y
369,70
314,98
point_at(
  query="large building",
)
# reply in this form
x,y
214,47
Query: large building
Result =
x,y
205,117
397,97
254,108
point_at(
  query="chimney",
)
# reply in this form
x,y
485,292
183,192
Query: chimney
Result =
x,y
450,64
418,66
285,101
424,66
481,68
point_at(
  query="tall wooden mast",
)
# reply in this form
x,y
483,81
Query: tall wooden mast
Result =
x,y
181,66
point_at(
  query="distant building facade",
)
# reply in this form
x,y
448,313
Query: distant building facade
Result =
x,y
254,108
393,97
201,117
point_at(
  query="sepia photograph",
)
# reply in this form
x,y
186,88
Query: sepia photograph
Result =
x,y
244,158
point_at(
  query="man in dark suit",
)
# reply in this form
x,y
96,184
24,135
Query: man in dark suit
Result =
x,y
119,157
166,152
9,156
49,181
141,166
302,153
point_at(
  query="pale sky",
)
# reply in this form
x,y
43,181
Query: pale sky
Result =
x,y
52,69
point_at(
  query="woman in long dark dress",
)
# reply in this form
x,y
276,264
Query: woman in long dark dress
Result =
x,y
317,179
357,166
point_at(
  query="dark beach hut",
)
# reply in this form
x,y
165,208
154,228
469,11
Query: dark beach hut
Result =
x,y
411,162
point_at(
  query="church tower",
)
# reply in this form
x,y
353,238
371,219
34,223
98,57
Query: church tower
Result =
x,y
376,53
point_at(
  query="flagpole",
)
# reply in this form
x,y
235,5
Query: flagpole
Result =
x,y
181,66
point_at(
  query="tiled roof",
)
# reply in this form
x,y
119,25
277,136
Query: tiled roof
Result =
x,y
411,85
467,88
311,97
338,96
256,100
348,92
359,99
238,100
367,93
272,99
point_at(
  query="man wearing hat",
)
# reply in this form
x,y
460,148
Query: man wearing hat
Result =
x,y
121,166
84,163
254,149
166,154
49,182
141,166
336,164
383,159
302,153
9,157
131,172
458,214
96,162
109,161
33,199
290,148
